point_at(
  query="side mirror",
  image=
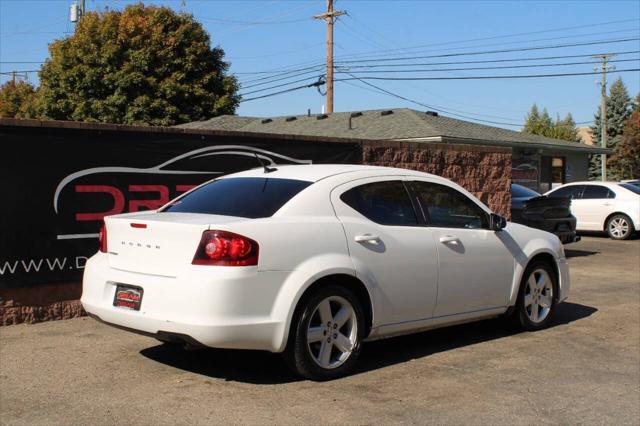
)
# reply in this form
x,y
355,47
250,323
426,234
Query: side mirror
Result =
x,y
497,222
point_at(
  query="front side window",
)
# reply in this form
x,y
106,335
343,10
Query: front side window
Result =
x,y
592,192
447,208
251,197
385,203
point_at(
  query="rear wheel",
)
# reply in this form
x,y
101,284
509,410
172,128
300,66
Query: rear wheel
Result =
x,y
326,334
619,227
537,297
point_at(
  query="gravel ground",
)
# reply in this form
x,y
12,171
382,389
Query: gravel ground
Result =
x,y
583,369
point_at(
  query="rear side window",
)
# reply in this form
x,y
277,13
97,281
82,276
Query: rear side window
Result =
x,y
572,191
597,192
385,203
250,197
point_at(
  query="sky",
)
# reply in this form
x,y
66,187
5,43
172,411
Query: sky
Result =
x,y
271,43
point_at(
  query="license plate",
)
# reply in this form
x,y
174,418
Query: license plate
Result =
x,y
128,297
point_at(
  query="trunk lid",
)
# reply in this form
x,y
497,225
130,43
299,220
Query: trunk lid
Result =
x,y
158,243
548,207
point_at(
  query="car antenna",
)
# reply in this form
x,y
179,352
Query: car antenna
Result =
x,y
267,169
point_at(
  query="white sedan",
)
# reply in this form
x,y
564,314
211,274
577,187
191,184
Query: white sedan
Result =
x,y
313,260
611,207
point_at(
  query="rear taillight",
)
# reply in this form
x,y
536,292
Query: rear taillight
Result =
x,y
222,248
102,238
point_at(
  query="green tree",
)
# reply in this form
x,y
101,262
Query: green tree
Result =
x,y
16,99
542,125
538,124
565,129
619,107
626,159
142,65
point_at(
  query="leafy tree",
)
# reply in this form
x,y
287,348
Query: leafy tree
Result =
x,y
626,159
142,65
543,125
619,107
16,99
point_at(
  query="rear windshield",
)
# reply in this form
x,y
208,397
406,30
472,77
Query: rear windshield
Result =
x,y
631,187
519,191
250,197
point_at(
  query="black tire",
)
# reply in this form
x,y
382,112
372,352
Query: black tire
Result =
x,y
616,225
521,315
298,353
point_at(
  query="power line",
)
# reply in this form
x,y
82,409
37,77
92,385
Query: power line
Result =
x,y
232,21
275,87
431,107
500,36
488,61
576,37
316,84
310,70
488,77
487,52
490,68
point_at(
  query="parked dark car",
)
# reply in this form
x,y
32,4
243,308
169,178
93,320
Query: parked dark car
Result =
x,y
539,211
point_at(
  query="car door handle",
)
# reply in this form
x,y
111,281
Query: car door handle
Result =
x,y
449,239
607,204
367,238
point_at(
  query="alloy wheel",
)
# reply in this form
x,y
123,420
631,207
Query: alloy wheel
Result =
x,y
332,332
538,296
619,227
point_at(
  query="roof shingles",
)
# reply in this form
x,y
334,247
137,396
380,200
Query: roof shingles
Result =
x,y
403,124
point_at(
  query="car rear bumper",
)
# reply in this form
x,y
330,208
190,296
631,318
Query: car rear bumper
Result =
x,y
564,228
211,306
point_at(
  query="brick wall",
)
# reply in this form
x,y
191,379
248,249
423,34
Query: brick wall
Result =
x,y
482,170
40,303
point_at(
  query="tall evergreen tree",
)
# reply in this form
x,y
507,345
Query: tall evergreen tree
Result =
x,y
619,107
542,125
532,121
565,129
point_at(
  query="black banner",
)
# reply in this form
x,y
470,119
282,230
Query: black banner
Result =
x,y
59,183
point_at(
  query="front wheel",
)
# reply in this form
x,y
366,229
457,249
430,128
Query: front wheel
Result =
x,y
619,227
537,297
326,334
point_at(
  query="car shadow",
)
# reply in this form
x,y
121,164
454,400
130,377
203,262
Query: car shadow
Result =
x,y
579,253
258,367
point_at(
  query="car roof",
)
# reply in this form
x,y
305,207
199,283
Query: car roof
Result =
x,y
316,172
609,184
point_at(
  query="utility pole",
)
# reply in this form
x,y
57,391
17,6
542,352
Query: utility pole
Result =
x,y
82,8
330,16
603,109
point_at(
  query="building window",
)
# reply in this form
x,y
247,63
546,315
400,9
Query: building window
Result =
x,y
552,173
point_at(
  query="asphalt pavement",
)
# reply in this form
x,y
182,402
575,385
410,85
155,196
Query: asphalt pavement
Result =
x,y
584,369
